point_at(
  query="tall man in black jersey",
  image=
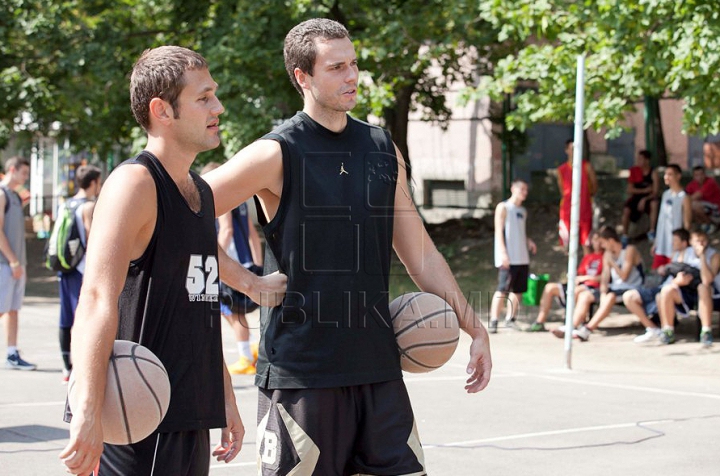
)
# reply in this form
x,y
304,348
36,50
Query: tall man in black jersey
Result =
x,y
335,202
152,277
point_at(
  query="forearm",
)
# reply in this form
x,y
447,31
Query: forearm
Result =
x,y
435,277
94,332
230,400
6,250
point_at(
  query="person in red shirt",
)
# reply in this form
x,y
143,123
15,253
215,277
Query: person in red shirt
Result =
x,y
643,192
587,279
704,195
587,190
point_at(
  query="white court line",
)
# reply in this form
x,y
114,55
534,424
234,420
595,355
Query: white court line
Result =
x,y
634,387
31,404
546,433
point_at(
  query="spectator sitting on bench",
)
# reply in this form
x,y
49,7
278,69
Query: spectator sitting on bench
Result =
x,y
643,192
642,302
622,271
704,194
709,288
588,273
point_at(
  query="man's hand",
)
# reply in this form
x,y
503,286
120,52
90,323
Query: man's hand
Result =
x,y
82,453
17,271
231,437
269,290
480,366
532,246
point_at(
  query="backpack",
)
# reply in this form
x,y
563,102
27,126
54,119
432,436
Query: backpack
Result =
x,y
64,249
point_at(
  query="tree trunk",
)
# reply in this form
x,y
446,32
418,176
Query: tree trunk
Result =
x,y
396,120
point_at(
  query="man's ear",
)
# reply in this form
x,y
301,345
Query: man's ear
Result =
x,y
160,110
302,78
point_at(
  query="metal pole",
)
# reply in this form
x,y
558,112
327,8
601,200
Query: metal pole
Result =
x,y
575,207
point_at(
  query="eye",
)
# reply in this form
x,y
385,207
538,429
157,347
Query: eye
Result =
x,y
203,99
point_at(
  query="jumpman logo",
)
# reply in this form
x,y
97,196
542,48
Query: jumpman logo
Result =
x,y
342,169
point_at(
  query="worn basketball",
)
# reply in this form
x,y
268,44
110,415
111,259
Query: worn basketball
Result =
x,y
426,330
137,394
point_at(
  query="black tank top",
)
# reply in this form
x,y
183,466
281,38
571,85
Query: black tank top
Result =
x,y
332,236
170,303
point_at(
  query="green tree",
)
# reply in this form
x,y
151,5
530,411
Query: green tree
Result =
x,y
634,49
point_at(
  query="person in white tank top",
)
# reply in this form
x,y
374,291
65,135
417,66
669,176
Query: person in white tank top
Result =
x,y
512,255
675,212
622,272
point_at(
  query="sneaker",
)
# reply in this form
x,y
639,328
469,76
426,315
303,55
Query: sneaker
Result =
x,y
706,338
624,240
652,334
254,349
537,327
512,324
492,327
242,367
559,332
583,333
667,337
15,362
651,236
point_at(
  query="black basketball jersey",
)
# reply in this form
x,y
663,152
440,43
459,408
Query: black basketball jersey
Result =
x,y
170,303
332,237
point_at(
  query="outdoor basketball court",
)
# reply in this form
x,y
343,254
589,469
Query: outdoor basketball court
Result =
x,y
624,409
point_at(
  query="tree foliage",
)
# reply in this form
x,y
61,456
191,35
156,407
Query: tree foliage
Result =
x,y
66,62
638,48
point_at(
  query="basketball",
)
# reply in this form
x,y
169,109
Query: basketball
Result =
x,y
137,394
426,329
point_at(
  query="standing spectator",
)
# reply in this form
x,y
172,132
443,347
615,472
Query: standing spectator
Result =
x,y
13,259
511,255
709,288
704,195
240,240
622,272
675,212
643,191
587,190
587,279
89,181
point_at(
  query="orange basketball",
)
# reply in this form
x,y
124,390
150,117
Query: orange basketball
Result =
x,y
426,329
137,394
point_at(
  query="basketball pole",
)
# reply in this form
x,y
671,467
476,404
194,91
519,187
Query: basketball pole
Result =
x,y
575,207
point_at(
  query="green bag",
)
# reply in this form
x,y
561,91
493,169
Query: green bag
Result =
x,y
536,284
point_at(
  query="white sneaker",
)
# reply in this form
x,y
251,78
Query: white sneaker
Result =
x,y
652,334
583,333
559,332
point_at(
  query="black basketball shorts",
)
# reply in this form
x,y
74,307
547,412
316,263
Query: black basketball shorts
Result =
x,y
184,453
513,279
364,429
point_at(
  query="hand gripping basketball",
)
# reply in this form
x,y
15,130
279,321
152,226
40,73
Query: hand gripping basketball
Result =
x,y
137,394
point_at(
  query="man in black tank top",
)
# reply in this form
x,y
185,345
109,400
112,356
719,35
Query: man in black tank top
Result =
x,y
152,278
334,202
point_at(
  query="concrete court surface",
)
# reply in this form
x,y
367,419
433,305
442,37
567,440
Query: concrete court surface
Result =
x,y
623,409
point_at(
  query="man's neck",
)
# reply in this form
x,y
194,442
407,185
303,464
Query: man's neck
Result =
x,y
335,121
176,162
676,188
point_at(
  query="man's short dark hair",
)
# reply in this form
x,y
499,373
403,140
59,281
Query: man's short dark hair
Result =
x,y
699,167
160,73
15,163
645,154
682,233
518,181
569,141
300,51
676,168
85,175
609,233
